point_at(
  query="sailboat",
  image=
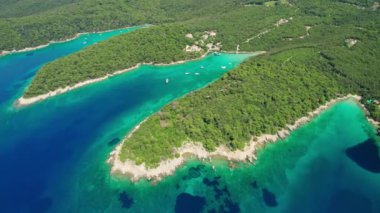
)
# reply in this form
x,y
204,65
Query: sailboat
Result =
x,y
167,80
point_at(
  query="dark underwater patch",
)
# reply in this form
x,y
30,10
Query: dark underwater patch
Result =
x,y
194,172
254,185
366,155
220,202
349,202
187,203
221,192
125,200
113,142
269,198
218,193
223,196
41,205
214,182
231,207
226,206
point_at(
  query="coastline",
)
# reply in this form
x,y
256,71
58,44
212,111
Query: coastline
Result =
x,y
27,49
168,167
27,101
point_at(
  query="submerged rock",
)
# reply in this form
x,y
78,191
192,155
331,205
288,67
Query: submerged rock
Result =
x,y
231,206
113,142
366,155
126,200
187,203
194,172
213,182
269,198
254,185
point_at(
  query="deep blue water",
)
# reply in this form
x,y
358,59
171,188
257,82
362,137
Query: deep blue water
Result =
x,y
26,159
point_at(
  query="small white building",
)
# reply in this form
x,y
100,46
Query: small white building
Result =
x,y
193,48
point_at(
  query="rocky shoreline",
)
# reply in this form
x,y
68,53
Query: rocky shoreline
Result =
x,y
136,172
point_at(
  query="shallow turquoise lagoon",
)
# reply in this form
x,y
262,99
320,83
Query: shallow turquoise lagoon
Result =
x,y
53,153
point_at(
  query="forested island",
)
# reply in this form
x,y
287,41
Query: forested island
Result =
x,y
316,51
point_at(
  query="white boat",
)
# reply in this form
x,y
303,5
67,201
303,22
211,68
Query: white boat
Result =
x,y
197,73
202,67
187,73
167,81
223,67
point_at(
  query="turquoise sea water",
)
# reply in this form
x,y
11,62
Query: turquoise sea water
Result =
x,y
53,153
17,68
307,172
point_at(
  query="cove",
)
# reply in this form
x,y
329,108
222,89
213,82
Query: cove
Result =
x,y
17,68
44,145
307,172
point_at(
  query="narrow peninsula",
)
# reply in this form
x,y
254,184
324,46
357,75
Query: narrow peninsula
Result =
x,y
193,149
70,72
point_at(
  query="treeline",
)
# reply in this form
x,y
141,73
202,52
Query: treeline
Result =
x,y
261,96
323,24
163,44
328,31
65,20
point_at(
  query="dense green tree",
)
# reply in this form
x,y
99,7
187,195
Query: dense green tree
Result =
x,y
302,70
323,50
